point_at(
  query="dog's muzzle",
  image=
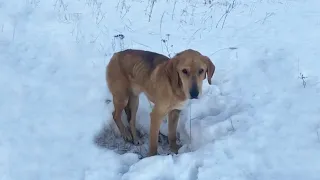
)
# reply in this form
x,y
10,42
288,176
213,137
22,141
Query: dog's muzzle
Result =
x,y
194,92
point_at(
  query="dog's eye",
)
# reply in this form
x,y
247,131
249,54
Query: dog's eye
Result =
x,y
185,71
201,71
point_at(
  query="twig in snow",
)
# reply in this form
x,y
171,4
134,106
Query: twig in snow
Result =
x,y
60,4
113,45
140,44
266,17
34,3
165,42
98,20
192,36
117,7
302,77
84,174
228,48
123,6
14,31
233,129
95,39
151,9
190,125
174,7
192,15
126,7
228,10
77,32
161,24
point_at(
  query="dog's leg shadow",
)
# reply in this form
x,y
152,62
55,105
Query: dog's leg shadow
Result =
x,y
107,138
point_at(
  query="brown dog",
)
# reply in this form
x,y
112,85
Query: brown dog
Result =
x,y
168,83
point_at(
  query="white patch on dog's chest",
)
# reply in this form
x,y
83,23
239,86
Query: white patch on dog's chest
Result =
x,y
181,105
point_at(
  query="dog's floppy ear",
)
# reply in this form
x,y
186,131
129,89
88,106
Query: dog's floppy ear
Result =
x,y
210,68
173,73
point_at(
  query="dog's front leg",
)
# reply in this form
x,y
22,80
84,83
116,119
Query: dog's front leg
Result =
x,y
172,130
156,117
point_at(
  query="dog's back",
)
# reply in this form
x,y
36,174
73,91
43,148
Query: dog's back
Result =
x,y
147,58
131,59
135,65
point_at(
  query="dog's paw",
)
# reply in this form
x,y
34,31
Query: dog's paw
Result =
x,y
126,135
174,147
152,153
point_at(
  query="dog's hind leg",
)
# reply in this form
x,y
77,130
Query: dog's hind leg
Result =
x,y
127,110
119,88
119,105
131,111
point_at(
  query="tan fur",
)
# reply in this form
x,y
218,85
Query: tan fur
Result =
x,y
168,83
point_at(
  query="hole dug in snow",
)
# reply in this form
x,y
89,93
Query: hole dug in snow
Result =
x,y
109,137
212,117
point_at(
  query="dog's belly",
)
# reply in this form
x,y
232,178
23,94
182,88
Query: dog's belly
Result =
x,y
137,90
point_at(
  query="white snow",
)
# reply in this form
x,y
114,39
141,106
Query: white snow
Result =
x,y
256,122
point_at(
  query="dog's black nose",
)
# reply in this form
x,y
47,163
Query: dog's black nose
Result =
x,y
194,93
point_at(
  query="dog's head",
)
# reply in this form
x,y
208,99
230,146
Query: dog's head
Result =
x,y
187,70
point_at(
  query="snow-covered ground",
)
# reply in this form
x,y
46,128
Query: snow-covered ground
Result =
x,y
260,120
